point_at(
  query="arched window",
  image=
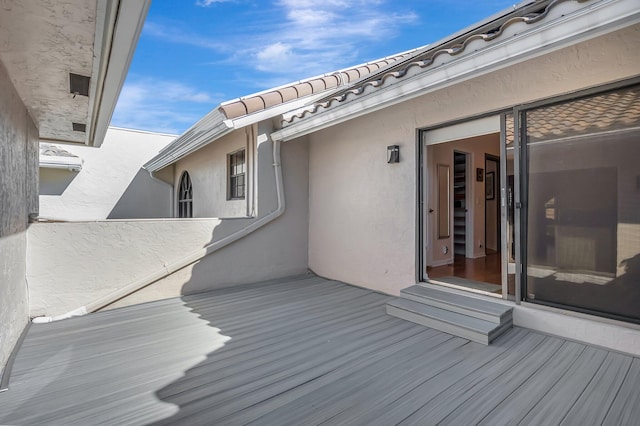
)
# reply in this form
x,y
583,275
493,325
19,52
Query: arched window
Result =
x,y
185,196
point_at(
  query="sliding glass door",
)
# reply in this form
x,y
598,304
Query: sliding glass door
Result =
x,y
581,203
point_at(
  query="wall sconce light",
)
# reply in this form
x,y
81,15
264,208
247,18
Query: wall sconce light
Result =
x,y
393,154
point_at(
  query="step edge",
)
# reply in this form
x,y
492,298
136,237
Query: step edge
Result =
x,y
493,325
502,315
449,328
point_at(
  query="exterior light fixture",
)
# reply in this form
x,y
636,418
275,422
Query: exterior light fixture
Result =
x,y
393,154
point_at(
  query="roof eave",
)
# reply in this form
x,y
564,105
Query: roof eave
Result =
x,y
118,28
214,126
563,31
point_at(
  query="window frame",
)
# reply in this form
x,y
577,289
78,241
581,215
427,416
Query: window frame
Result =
x,y
236,190
185,196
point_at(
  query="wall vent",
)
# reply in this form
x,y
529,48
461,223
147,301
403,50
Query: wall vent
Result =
x,y
79,127
79,84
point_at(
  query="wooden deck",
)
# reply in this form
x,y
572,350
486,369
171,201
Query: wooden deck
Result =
x,y
304,351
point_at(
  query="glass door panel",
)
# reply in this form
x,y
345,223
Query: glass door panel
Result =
x,y
583,204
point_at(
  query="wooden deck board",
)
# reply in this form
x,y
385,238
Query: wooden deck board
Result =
x,y
304,350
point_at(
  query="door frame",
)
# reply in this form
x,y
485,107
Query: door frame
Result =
x,y
422,191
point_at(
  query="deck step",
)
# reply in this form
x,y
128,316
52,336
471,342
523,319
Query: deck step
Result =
x,y
464,316
466,305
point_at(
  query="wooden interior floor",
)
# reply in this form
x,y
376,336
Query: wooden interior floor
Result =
x,y
486,269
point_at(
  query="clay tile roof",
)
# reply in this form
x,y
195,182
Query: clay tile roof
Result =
x,y
352,75
289,94
331,81
398,66
254,104
363,71
235,109
272,98
318,85
303,89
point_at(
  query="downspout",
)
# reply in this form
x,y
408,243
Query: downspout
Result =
x,y
172,206
191,258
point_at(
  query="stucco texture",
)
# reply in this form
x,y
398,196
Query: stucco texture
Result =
x,y
71,265
276,250
208,170
111,184
18,189
362,220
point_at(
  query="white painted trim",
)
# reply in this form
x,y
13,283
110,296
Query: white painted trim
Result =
x,y
441,263
122,24
468,129
73,164
208,129
584,23
146,132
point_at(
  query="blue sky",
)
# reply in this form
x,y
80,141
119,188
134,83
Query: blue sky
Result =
x,y
194,54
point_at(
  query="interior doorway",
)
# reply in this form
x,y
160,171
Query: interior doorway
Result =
x,y
468,256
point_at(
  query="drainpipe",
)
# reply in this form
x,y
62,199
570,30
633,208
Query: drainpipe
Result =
x,y
172,207
191,258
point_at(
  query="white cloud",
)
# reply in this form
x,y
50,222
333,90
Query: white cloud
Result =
x,y
161,105
323,36
207,3
296,39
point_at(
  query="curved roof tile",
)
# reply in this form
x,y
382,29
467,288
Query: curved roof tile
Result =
x,y
254,103
431,56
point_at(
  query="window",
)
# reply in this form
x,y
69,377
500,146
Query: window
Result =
x,y
185,197
237,175
582,218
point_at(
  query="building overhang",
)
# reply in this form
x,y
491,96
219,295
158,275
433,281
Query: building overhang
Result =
x,y
68,61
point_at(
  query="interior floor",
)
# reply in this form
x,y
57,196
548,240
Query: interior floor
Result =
x,y
485,269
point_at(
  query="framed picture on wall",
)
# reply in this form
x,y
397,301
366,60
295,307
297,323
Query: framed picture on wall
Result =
x,y
489,186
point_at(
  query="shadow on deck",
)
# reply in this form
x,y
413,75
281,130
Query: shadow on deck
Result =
x,y
304,350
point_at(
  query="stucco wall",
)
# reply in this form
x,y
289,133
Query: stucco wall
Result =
x,y
111,183
362,226
207,169
18,198
73,264
276,250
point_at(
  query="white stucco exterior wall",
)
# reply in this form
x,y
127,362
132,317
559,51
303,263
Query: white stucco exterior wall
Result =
x,y
362,221
208,170
71,265
18,199
111,183
277,250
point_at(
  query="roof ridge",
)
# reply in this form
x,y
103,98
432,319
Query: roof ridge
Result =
x,y
274,96
428,58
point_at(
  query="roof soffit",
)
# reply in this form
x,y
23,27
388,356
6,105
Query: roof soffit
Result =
x,y
42,42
